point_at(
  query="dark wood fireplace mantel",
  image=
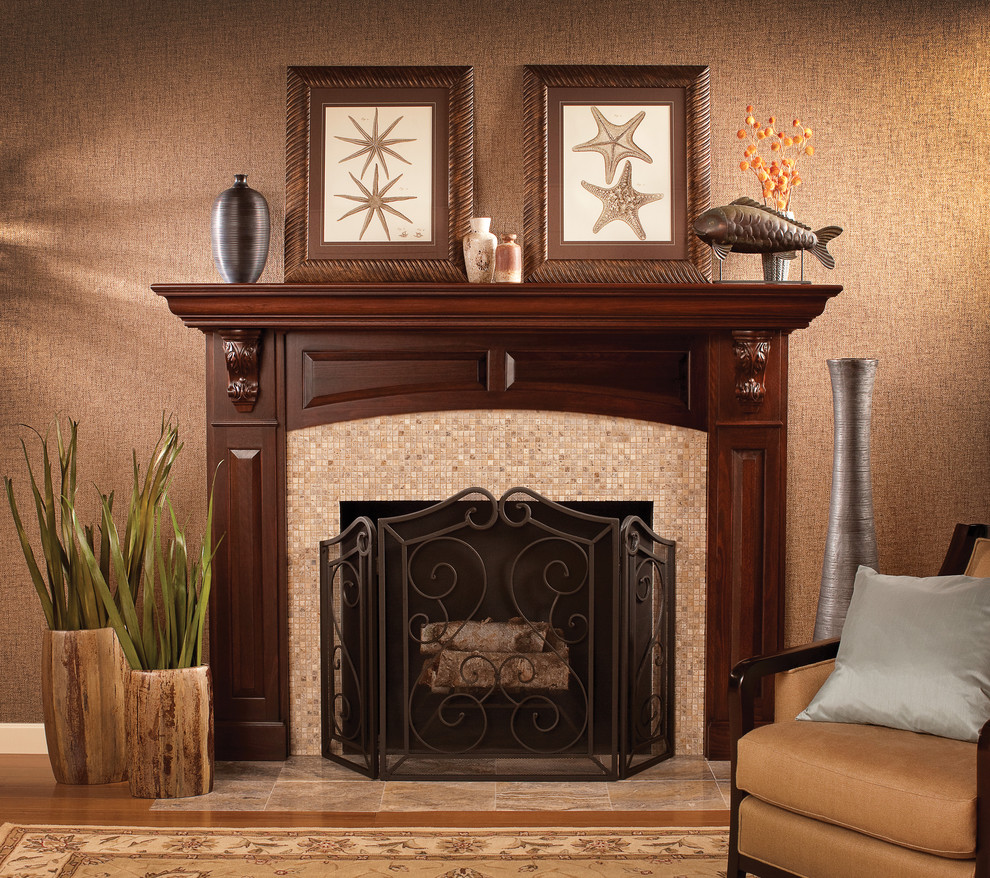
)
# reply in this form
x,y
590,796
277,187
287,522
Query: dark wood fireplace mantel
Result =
x,y
281,357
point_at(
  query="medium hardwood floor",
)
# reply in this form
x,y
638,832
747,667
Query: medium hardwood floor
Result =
x,y
29,794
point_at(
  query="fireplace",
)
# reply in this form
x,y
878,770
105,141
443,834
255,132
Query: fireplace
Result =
x,y
508,639
286,358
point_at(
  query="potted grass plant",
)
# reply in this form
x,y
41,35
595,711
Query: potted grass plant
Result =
x,y
83,668
169,694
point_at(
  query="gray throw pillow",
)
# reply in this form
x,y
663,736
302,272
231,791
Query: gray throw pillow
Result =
x,y
914,654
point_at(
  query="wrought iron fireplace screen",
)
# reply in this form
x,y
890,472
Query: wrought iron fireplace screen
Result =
x,y
493,638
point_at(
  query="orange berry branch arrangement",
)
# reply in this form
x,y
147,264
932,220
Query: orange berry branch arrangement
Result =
x,y
778,177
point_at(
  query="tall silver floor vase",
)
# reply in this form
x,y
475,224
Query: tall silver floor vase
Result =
x,y
852,538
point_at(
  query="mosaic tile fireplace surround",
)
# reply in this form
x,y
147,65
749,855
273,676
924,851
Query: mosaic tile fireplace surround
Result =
x,y
563,456
317,393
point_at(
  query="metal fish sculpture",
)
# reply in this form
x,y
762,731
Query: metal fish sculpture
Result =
x,y
747,226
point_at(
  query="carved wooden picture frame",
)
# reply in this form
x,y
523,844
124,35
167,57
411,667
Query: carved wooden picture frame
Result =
x,y
592,134
379,173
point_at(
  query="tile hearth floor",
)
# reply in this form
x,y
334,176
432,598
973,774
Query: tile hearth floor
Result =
x,y
312,783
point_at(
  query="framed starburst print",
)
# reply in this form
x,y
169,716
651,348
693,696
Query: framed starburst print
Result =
x,y
617,169
379,180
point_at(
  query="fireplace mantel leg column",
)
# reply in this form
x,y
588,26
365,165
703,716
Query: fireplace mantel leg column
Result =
x,y
248,617
747,479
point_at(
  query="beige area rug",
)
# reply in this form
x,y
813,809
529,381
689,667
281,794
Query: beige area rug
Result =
x,y
132,852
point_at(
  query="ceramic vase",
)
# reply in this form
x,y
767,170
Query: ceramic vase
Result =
x,y
170,733
479,251
851,538
82,694
240,230
508,261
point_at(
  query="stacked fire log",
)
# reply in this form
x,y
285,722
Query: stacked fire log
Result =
x,y
515,655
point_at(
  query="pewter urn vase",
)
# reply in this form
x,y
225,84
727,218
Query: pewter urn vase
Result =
x,y
240,229
851,538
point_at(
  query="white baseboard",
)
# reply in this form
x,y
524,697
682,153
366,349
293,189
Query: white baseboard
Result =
x,y
22,738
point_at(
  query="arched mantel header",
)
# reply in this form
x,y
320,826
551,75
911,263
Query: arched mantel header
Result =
x,y
358,351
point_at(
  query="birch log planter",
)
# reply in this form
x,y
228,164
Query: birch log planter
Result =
x,y
170,733
83,676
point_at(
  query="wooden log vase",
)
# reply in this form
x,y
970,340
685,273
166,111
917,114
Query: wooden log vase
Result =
x,y
170,733
83,675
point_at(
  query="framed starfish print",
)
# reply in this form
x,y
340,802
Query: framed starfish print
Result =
x,y
378,165
617,168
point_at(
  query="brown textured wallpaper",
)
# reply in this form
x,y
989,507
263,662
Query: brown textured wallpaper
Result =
x,y
121,121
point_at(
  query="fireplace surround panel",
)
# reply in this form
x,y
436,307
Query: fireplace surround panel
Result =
x,y
717,354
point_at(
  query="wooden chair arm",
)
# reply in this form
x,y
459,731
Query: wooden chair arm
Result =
x,y
748,675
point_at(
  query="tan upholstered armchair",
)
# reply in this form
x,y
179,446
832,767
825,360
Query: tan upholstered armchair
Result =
x,y
840,800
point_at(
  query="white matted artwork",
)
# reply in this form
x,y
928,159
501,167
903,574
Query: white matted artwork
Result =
x,y
616,172
378,174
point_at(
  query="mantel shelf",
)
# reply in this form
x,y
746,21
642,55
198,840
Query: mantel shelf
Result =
x,y
634,307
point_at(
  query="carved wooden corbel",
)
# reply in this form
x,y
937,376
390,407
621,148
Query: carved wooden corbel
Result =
x,y
752,350
242,351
